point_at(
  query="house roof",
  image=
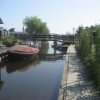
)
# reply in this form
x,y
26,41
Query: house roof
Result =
x,y
1,22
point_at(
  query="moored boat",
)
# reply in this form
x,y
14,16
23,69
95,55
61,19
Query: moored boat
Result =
x,y
18,52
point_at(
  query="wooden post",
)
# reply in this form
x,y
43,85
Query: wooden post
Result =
x,y
54,51
55,40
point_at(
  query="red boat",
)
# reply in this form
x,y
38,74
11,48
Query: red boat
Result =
x,y
18,52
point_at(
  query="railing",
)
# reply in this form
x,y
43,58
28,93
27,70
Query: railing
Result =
x,y
41,37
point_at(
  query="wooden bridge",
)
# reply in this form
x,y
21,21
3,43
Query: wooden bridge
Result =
x,y
41,37
48,37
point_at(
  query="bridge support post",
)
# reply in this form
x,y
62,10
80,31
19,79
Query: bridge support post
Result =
x,y
55,41
55,45
54,51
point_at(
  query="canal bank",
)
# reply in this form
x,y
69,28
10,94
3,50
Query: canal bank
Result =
x,y
76,83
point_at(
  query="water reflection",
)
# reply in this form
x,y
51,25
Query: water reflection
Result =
x,y
52,55
23,65
1,81
20,65
44,48
39,80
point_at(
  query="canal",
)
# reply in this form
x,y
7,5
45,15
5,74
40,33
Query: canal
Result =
x,y
34,79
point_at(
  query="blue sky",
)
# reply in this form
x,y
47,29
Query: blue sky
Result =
x,y
61,16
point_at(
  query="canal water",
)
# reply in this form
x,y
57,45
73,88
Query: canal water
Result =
x,y
34,79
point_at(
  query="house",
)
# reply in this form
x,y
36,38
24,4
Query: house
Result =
x,y
19,35
1,22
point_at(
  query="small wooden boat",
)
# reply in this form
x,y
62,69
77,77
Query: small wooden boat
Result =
x,y
19,52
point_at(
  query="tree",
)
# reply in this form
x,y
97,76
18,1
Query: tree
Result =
x,y
85,44
34,25
88,48
97,45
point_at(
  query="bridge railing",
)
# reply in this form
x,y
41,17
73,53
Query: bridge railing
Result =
x,y
50,37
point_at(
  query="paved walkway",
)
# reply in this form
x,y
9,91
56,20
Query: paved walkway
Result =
x,y
76,83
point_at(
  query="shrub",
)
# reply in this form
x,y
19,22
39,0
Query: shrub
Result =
x,y
10,41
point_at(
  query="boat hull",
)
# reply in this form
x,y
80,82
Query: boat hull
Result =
x,y
13,56
20,52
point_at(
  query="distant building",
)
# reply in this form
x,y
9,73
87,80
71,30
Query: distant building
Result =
x,y
19,35
12,30
1,22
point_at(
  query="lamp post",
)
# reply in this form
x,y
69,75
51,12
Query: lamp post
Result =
x,y
73,35
1,22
